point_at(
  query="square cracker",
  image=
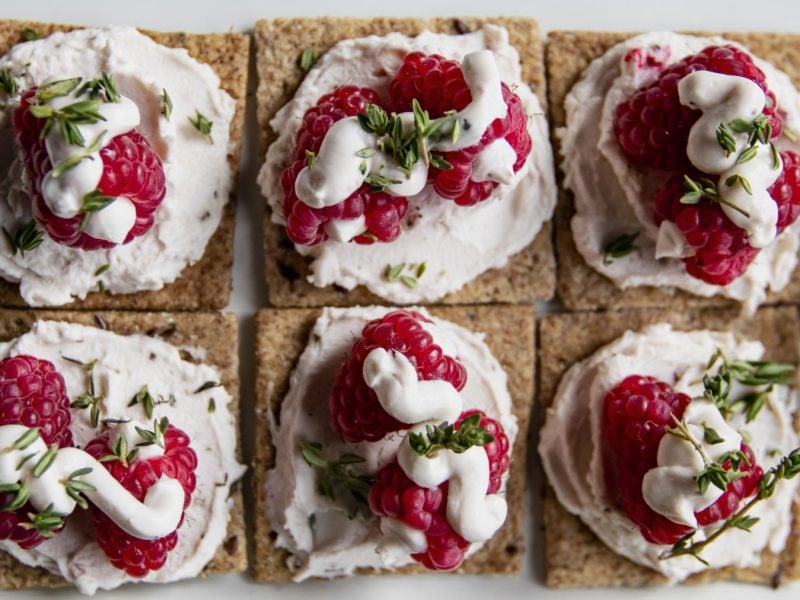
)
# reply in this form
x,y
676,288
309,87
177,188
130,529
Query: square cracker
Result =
x,y
528,276
205,285
579,286
574,556
211,331
281,336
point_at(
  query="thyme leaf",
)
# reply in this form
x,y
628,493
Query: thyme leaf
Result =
x,y
307,59
166,104
25,239
446,437
7,82
619,247
338,474
203,125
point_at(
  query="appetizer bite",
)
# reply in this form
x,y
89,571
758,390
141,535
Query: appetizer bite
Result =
x,y
390,439
406,165
119,452
682,158
116,167
676,446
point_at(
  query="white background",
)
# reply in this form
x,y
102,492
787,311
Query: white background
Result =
x,y
249,291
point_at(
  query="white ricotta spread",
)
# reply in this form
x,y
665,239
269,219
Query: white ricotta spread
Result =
x,y
613,198
198,176
124,365
331,539
458,243
570,443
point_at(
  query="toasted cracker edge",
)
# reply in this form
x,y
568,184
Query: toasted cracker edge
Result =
x,y
281,337
529,275
575,557
207,283
567,54
214,332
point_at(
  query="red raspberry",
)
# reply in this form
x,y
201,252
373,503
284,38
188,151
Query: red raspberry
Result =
x,y
394,495
33,394
355,412
130,169
636,415
722,252
305,225
652,126
438,85
135,556
497,451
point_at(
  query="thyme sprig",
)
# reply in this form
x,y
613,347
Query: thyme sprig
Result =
x,y
203,125
705,188
713,473
67,118
446,437
154,437
407,274
121,452
166,104
787,468
620,246
76,488
102,87
7,82
144,398
717,388
337,474
25,239
90,399
74,159
307,59
46,522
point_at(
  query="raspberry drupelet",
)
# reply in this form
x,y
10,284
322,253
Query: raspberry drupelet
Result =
x,y
131,169
636,414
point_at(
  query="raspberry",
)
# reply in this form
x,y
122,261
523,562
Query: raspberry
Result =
x,y
438,85
636,415
394,495
497,451
137,557
305,225
33,394
652,126
355,412
786,190
130,169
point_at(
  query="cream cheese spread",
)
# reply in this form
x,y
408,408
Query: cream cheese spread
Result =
x,y
571,443
124,365
198,176
457,243
613,198
331,539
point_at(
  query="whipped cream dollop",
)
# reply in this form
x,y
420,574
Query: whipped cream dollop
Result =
x,y
156,517
613,198
124,365
198,176
334,538
457,243
571,444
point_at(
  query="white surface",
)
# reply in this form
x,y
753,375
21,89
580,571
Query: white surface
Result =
x,y
250,294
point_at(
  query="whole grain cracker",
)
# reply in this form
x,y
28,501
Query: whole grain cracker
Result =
x,y
529,275
574,556
211,331
579,286
206,284
281,336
